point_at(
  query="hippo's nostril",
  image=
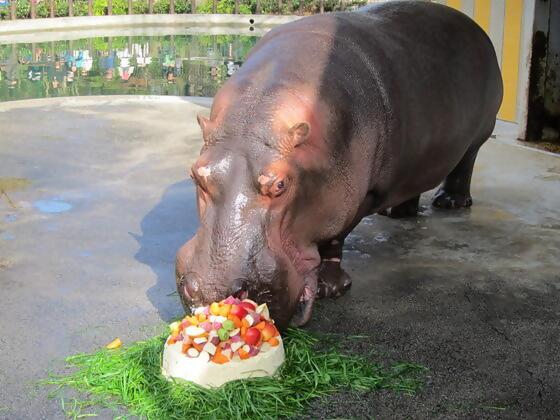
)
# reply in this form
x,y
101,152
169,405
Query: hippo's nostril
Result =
x,y
239,289
190,285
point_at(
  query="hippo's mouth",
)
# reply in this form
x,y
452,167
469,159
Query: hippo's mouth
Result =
x,y
305,303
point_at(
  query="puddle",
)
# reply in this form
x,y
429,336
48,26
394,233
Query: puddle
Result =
x,y
52,206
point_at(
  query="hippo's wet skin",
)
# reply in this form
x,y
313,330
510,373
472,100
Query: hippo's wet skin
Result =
x,y
332,118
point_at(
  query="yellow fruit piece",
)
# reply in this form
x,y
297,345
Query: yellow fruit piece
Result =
x,y
201,317
224,309
215,308
115,344
192,319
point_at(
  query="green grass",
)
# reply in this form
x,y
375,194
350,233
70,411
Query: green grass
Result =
x,y
131,377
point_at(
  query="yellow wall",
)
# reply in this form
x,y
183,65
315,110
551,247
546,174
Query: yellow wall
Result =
x,y
482,13
504,18
510,58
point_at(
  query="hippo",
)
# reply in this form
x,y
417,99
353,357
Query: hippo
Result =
x,y
332,118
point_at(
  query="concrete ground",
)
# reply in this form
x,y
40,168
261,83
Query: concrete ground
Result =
x,y
96,201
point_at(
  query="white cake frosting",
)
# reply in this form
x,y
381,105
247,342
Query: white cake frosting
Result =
x,y
209,374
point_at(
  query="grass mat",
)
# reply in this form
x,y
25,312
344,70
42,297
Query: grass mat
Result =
x,y
131,377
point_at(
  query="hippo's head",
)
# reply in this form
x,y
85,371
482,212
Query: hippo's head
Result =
x,y
260,214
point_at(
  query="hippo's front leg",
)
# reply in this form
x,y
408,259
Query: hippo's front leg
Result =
x,y
333,280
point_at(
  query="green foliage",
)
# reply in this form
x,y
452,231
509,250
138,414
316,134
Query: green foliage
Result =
x,y
161,6
224,7
120,7
139,7
43,9
61,8
23,9
80,7
181,6
272,7
101,7
132,377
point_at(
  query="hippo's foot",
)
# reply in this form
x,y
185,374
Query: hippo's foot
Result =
x,y
333,280
407,209
447,200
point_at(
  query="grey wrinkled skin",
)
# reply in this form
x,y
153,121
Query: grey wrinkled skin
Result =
x,y
331,118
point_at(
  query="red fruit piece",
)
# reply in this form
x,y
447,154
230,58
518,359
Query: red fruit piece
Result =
x,y
248,306
268,332
238,311
252,336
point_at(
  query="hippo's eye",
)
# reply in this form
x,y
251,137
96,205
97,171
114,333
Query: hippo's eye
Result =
x,y
278,188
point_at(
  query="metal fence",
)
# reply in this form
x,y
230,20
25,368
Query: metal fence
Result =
x,y
32,9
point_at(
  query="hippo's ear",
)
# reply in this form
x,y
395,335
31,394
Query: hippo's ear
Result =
x,y
297,135
206,127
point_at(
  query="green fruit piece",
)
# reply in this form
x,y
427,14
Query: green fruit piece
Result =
x,y
223,334
228,325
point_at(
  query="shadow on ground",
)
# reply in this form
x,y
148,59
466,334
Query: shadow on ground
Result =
x,y
163,230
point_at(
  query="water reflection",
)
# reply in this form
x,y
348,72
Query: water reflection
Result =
x,y
142,65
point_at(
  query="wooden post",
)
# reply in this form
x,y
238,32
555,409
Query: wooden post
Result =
x,y
172,7
300,9
280,6
236,10
214,6
109,7
129,7
150,7
51,7
33,9
193,6
90,7
13,9
258,11
321,6
70,8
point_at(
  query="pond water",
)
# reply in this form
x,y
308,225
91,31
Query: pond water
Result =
x,y
187,65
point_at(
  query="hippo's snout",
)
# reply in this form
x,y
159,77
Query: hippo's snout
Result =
x,y
266,278
189,285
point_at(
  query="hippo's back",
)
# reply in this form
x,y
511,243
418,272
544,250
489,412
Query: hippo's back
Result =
x,y
405,81
401,55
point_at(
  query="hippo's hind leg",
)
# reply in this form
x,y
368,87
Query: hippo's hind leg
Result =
x,y
455,191
333,280
409,208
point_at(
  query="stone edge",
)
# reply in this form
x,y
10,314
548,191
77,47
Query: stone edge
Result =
x,y
90,22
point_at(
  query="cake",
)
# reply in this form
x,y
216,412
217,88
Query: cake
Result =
x,y
225,341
